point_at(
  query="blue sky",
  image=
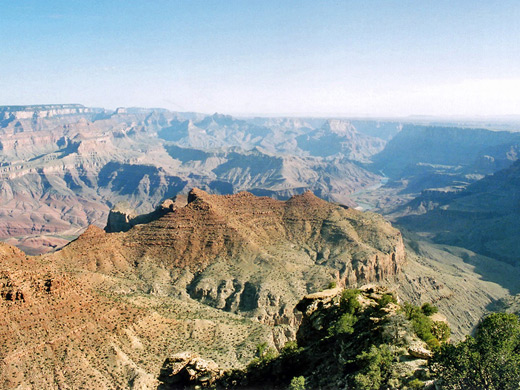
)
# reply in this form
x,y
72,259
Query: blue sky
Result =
x,y
302,57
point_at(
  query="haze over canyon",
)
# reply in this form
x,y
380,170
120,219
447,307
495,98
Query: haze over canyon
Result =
x,y
134,234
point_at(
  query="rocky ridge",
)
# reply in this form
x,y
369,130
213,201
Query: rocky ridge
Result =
x,y
66,329
340,137
234,250
10,113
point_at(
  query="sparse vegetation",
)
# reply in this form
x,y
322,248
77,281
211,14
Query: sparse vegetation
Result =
x,y
416,384
433,333
264,355
347,342
349,302
290,348
344,325
332,284
441,331
349,306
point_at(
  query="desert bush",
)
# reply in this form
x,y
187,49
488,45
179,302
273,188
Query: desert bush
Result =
x,y
428,309
297,383
264,354
376,368
290,348
348,301
385,300
433,333
416,384
344,325
441,331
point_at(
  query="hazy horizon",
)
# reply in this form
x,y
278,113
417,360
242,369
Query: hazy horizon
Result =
x,y
297,58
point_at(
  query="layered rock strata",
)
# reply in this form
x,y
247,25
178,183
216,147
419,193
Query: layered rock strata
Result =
x,y
247,254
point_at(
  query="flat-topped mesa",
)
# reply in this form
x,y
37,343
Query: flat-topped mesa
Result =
x,y
40,107
42,111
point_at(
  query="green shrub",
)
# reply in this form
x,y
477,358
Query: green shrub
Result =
x,y
411,311
441,331
416,384
332,284
349,302
433,333
429,309
261,349
297,383
344,325
385,300
422,327
376,368
432,343
264,354
290,348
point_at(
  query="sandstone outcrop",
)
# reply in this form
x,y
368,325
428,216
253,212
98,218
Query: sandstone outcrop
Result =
x,y
419,351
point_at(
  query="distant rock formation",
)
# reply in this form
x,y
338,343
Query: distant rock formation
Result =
x,y
55,157
10,113
457,151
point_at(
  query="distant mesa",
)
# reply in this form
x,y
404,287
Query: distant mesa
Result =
x,y
42,111
120,110
484,217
